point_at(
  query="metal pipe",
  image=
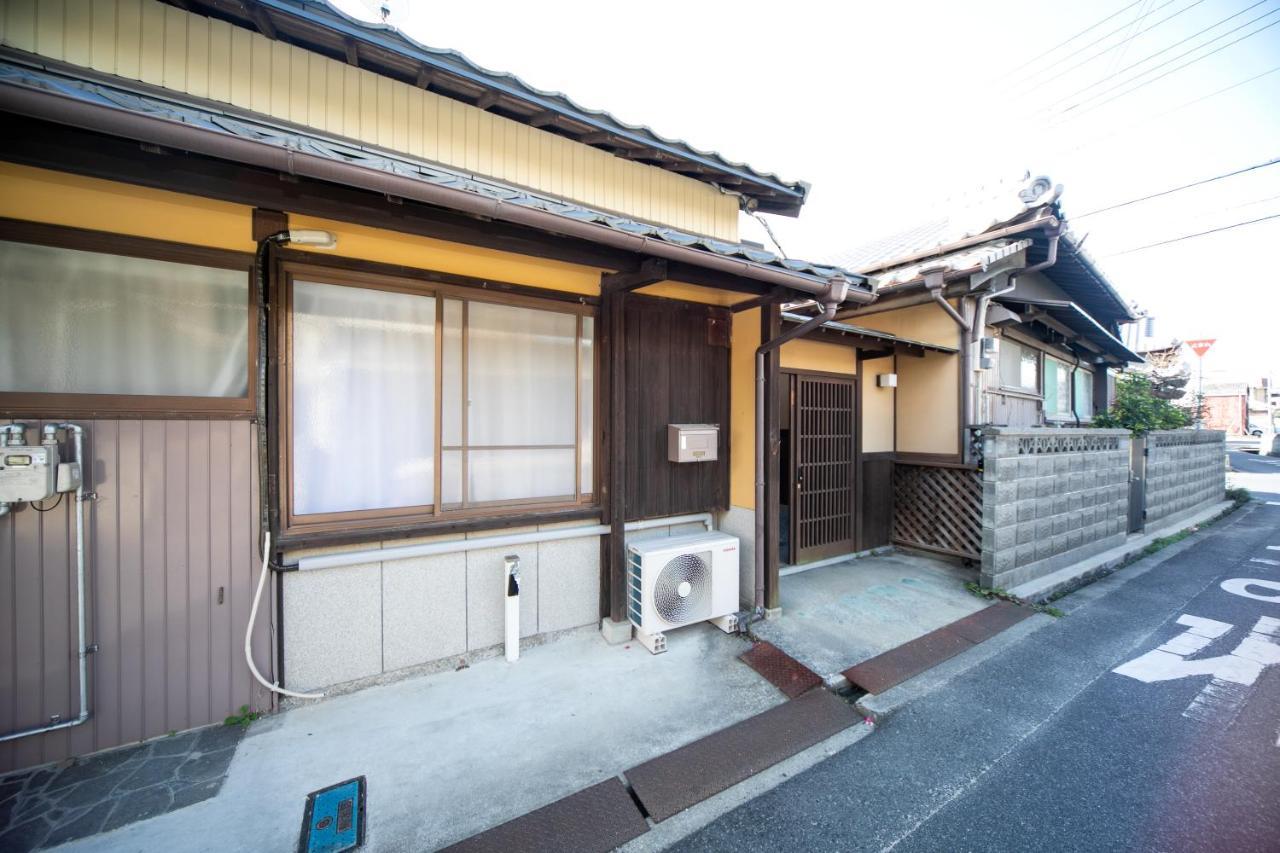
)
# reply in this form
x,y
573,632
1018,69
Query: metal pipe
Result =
x,y
63,109
77,433
830,300
15,434
428,549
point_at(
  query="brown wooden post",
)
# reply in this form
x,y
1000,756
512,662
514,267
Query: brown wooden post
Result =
x,y
613,289
771,327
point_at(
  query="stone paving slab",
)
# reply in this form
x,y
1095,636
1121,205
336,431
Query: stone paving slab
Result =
x,y
51,805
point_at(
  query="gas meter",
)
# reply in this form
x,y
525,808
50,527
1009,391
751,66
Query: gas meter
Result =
x,y
33,472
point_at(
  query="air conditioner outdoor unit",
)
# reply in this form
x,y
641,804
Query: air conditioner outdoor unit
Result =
x,y
681,580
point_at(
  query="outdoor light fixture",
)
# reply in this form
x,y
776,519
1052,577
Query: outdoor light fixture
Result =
x,y
313,237
887,380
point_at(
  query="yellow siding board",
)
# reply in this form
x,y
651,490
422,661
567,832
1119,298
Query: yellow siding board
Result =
x,y
919,322
400,119
241,76
163,45
299,85
20,24
198,56
78,39
220,61
281,77
742,420
129,38
385,106
175,49
151,46
259,74
929,404
317,92
50,29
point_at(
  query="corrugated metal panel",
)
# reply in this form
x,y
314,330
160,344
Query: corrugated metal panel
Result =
x,y
174,523
154,44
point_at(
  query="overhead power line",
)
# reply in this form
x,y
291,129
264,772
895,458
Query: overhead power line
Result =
x,y
1166,49
1159,115
1172,190
1099,40
1197,234
1075,112
1060,44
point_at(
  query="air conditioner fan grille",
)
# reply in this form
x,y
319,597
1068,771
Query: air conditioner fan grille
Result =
x,y
682,591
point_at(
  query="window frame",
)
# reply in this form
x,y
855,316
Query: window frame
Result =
x,y
294,525
151,406
1038,390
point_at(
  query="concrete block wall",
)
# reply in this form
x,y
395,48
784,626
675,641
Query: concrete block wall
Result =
x,y
1186,470
1050,497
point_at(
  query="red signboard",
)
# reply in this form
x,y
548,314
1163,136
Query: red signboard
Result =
x,y
1201,346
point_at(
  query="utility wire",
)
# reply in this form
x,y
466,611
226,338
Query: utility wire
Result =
x,y
1040,56
1101,80
1171,110
1118,44
1144,84
1190,236
1172,190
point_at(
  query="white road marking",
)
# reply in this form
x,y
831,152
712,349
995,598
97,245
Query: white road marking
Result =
x,y
1273,503
1240,586
1264,561
1273,547
1221,699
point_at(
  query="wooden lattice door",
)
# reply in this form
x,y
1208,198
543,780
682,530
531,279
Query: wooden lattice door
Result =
x,y
824,420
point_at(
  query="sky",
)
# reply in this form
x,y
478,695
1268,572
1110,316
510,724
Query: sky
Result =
x,y
890,109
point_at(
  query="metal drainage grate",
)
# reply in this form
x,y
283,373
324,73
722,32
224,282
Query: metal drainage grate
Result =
x,y
333,820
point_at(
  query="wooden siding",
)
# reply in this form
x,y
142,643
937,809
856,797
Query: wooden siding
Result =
x,y
164,46
174,523
677,371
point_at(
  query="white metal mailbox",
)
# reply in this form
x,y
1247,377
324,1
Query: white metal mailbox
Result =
x,y
692,442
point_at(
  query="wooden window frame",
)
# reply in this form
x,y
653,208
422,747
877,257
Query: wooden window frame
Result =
x,y
71,405
292,268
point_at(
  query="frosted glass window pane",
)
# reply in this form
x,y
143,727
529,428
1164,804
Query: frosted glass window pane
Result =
x,y
451,478
500,475
586,354
451,345
1084,393
91,323
521,376
363,398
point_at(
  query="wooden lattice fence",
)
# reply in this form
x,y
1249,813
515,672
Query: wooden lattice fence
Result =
x,y
938,508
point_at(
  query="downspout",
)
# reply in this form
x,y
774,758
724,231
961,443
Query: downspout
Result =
x,y
837,289
1075,411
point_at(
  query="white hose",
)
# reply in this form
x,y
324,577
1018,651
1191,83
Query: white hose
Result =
x,y
253,616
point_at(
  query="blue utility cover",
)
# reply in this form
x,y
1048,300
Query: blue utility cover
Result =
x,y
333,820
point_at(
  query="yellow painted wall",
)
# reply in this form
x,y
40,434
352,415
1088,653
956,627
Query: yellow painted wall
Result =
x,y
927,323
806,354
742,412
877,408
694,293
164,46
58,198
928,404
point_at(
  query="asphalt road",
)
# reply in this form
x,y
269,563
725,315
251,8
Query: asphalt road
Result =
x,y
1044,746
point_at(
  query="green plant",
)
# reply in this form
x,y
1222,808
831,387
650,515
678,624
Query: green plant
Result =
x,y
1239,495
1165,541
1138,410
243,718
1004,595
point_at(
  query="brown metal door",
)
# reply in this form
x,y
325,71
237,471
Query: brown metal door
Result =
x,y
823,423
1137,483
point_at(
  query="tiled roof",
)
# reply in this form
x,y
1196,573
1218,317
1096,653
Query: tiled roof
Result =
x,y
995,206
319,25
974,258
216,119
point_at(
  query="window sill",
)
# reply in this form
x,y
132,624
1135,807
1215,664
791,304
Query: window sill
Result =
x,y
365,535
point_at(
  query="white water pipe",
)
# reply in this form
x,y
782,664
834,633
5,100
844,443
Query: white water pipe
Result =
x,y
428,549
50,435
253,616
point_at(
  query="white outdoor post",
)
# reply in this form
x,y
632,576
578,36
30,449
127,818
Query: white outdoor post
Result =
x,y
512,565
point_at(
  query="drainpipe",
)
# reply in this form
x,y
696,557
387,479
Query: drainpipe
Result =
x,y
837,289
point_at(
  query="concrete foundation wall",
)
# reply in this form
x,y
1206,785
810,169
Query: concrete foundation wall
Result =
x,y
740,521
1050,497
358,622
1186,470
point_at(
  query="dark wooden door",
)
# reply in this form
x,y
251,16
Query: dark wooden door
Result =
x,y
824,445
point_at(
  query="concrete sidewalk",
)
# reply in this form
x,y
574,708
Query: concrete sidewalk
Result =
x,y
841,614
451,754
